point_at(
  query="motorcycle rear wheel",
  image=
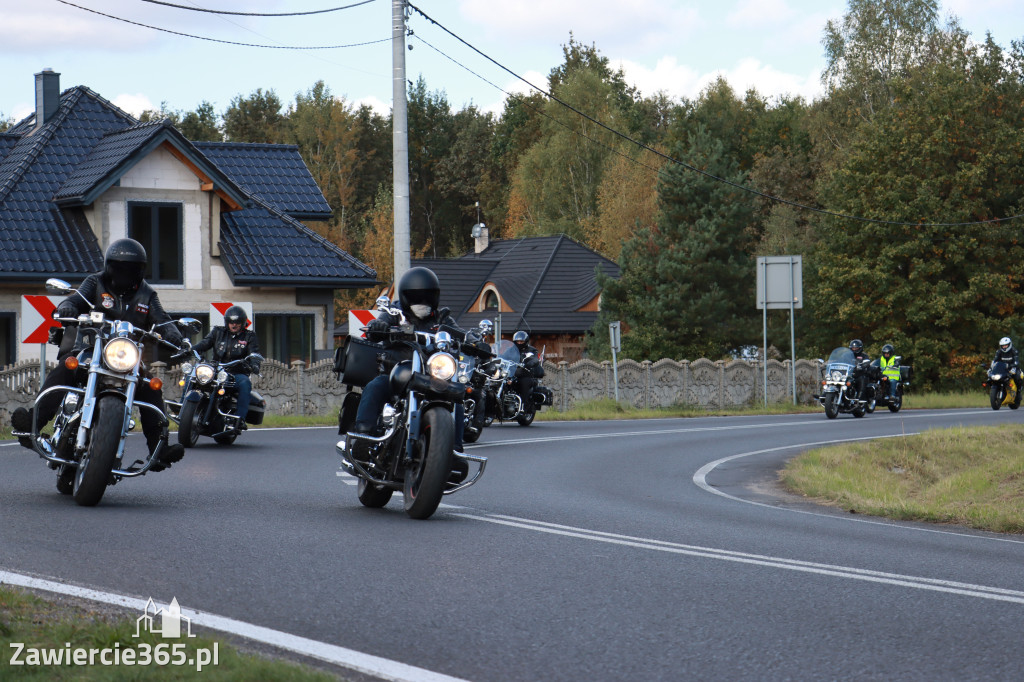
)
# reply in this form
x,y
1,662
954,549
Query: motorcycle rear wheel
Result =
x,y
896,403
97,462
859,411
526,418
995,397
188,423
831,408
425,478
373,495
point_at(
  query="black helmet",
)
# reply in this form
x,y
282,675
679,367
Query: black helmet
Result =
x,y
124,264
520,337
888,350
236,315
419,287
856,346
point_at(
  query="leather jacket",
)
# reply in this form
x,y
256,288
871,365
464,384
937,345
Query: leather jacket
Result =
x,y
140,306
227,346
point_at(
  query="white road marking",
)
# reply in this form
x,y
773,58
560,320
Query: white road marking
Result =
x,y
916,582
354,660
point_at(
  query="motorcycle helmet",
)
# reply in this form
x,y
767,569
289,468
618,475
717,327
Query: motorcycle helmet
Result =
x,y
887,350
1005,344
856,346
419,293
124,265
236,315
520,338
486,327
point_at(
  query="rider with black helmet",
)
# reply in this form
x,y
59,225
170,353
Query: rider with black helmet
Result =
x,y
526,381
419,293
120,293
234,341
859,374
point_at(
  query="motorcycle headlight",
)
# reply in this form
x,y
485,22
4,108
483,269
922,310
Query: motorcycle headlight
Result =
x,y
997,377
837,376
204,374
186,368
222,376
441,366
121,355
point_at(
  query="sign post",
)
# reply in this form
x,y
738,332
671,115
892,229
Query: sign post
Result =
x,y
780,286
615,331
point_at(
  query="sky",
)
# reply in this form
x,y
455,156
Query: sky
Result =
x,y
671,46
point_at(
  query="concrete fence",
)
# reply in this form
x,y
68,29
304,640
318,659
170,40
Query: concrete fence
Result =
x,y
299,389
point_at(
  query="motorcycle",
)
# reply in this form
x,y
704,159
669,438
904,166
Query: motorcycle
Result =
x,y
474,378
209,401
841,372
503,401
881,386
95,416
1002,386
415,454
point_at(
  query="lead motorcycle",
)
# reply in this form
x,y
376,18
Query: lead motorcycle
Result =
x,y
209,400
838,384
95,416
415,454
1002,386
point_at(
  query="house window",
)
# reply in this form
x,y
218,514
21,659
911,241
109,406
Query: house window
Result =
x,y
157,227
490,300
8,338
286,337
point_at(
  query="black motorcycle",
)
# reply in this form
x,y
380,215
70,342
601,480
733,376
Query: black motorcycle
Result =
x,y
96,413
881,386
503,400
839,384
209,400
1002,386
475,379
415,454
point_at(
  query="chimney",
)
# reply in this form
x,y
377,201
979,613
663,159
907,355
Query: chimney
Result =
x,y
480,237
47,95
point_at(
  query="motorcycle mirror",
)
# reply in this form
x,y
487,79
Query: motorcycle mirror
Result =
x,y
58,286
443,341
191,323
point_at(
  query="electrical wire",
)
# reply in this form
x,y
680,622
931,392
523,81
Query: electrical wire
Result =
x,y
258,14
711,176
226,42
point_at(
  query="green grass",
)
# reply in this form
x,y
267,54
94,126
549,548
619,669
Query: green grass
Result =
x,y
966,476
40,623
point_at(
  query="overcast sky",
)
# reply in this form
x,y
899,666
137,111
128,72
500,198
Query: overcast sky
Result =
x,y
675,46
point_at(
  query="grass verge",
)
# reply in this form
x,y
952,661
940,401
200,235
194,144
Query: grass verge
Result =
x,y
62,628
971,477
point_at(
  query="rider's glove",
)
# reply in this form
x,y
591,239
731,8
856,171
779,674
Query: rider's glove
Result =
x,y
66,309
376,327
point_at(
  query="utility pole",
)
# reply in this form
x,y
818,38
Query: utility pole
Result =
x,y
400,139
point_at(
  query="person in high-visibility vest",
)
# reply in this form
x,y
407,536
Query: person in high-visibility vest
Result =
x,y
888,363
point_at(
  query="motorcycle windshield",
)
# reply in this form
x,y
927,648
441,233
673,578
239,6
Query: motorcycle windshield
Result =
x,y
506,350
841,360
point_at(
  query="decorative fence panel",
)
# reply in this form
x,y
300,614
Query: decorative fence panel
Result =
x,y
313,390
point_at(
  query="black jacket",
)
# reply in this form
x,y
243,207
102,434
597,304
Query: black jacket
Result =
x,y
227,346
141,306
1010,357
429,324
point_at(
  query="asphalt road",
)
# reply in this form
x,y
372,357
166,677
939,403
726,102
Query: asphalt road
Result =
x,y
625,550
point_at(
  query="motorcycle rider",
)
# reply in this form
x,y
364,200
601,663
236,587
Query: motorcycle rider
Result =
x,y
234,341
889,368
419,293
120,293
859,374
526,380
1008,354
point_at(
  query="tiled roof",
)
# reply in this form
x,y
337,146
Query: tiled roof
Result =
x,y
88,144
262,246
274,172
544,280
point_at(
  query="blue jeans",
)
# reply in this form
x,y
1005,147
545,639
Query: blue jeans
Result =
x,y
244,394
377,392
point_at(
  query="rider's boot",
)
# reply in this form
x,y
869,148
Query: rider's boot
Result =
x,y
21,420
169,455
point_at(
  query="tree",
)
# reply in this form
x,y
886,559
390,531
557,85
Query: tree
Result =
x,y
627,200
256,118
688,282
200,125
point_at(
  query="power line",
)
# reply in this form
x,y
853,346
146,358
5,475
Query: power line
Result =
x,y
711,176
226,42
258,14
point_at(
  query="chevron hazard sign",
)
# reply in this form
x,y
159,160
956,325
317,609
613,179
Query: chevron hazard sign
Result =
x,y
358,319
36,317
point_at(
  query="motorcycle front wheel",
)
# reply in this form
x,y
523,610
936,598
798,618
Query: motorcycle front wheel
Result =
x,y
526,418
97,462
831,407
896,403
188,422
995,397
425,478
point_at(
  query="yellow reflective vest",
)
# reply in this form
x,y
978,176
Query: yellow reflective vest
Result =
x,y
890,368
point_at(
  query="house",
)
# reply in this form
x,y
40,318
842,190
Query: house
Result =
x,y
220,221
544,285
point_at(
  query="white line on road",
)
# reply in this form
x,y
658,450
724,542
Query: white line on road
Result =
x,y
932,584
354,660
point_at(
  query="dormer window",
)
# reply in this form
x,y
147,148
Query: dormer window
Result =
x,y
491,300
157,226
